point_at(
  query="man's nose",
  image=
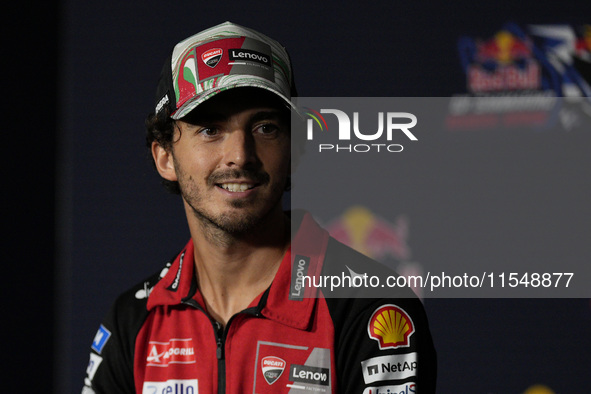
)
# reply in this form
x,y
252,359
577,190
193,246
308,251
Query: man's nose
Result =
x,y
239,149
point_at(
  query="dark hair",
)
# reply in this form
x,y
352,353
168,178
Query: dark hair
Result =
x,y
160,128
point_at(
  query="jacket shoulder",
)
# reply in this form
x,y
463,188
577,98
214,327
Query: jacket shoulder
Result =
x,y
111,364
359,316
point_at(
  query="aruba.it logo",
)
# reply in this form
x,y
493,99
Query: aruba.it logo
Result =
x,y
388,124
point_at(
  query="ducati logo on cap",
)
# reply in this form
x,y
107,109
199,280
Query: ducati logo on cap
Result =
x,y
212,57
272,368
391,327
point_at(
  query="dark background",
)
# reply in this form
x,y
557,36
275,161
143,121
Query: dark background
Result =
x,y
87,218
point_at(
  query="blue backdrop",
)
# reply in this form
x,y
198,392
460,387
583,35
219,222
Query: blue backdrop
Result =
x,y
92,218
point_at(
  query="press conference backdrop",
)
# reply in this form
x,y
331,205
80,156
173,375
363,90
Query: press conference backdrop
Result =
x,y
116,224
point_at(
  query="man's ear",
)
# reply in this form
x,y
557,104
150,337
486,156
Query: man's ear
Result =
x,y
164,161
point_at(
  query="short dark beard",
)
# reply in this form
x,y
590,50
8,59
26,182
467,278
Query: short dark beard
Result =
x,y
225,229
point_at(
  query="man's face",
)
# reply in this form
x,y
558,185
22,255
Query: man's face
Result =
x,y
231,157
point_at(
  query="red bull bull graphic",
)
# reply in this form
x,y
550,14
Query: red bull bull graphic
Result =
x,y
359,228
378,239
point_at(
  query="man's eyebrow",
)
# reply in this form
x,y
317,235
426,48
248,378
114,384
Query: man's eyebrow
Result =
x,y
271,114
213,117
204,118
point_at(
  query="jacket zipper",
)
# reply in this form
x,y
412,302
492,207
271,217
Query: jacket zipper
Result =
x,y
220,338
221,332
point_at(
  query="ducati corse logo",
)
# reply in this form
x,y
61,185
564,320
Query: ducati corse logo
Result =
x,y
212,57
272,368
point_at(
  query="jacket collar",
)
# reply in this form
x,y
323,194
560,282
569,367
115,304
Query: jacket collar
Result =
x,y
284,301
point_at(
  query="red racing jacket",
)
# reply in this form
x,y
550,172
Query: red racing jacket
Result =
x,y
293,338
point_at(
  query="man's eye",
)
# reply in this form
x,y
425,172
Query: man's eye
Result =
x,y
267,129
209,131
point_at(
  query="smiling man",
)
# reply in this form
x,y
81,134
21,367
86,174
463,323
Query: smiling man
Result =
x,y
230,313
237,145
231,159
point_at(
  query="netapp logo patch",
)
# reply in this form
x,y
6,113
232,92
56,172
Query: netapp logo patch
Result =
x,y
249,55
310,375
394,367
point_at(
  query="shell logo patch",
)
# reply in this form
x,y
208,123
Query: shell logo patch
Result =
x,y
391,327
272,368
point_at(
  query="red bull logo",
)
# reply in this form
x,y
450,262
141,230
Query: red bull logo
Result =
x,y
376,238
370,235
504,48
504,63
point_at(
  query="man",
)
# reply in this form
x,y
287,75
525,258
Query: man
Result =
x,y
229,313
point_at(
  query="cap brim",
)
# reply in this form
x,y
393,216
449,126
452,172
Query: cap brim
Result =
x,y
193,103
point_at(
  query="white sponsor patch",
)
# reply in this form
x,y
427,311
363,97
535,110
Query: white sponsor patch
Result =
x,y
93,364
176,386
406,388
392,367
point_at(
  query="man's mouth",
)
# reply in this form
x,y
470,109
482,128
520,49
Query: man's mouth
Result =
x,y
236,187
